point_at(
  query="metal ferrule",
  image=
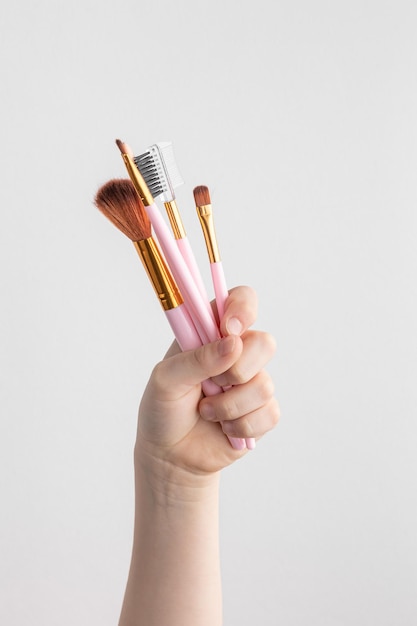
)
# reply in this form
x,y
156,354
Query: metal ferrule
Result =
x,y
160,276
206,219
175,219
138,180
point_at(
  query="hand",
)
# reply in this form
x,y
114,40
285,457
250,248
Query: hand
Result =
x,y
180,430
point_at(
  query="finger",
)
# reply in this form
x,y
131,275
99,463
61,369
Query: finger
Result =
x,y
254,424
238,401
258,350
240,311
187,369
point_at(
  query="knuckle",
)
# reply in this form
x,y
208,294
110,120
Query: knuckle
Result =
x,y
238,375
268,343
266,387
241,427
272,344
247,428
274,411
158,375
229,409
198,357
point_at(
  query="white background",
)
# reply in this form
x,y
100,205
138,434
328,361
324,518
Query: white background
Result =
x,y
301,118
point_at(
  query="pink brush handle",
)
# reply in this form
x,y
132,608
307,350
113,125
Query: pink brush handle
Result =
x,y
221,292
188,339
220,288
201,315
184,247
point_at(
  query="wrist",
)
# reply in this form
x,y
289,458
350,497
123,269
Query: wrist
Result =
x,y
168,482
175,566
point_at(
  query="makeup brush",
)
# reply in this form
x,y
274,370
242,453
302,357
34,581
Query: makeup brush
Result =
x,y
205,214
120,203
160,172
201,315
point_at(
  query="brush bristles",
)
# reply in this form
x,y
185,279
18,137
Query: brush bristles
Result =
x,y
124,147
152,171
159,170
201,195
118,200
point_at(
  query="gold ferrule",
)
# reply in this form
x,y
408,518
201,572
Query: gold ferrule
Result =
x,y
138,180
175,219
160,276
206,219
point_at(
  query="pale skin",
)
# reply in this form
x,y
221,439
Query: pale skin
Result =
x,y
180,450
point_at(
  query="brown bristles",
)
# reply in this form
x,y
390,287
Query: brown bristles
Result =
x,y
124,148
118,200
201,195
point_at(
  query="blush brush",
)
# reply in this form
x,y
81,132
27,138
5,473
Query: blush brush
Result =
x,y
119,202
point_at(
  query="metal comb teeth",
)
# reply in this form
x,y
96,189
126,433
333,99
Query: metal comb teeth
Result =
x,y
149,166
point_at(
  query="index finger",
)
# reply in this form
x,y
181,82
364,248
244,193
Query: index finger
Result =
x,y
240,311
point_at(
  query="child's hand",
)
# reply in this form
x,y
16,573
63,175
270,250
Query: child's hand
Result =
x,y
180,430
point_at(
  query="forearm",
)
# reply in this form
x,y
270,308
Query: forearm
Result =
x,y
181,447
174,578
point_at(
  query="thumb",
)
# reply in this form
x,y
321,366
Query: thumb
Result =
x,y
192,367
